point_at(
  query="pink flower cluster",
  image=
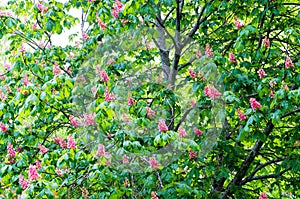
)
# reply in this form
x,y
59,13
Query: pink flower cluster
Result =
x,y
23,182
56,69
101,150
108,95
193,103
238,23
131,101
241,115
181,132
263,195
212,92
89,119
192,154
3,127
71,143
125,159
153,163
101,24
60,142
104,76
10,150
162,127
32,173
25,80
43,149
193,74
209,51
150,113
85,36
42,8
266,42
288,62
261,73
254,104
2,96
75,123
232,57
197,131
111,61
116,8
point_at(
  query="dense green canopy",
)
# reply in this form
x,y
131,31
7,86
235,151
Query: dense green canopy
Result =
x,y
150,99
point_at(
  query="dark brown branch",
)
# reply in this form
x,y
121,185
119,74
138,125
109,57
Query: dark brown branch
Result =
x,y
248,179
247,162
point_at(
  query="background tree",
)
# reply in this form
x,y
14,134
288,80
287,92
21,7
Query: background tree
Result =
x,y
253,44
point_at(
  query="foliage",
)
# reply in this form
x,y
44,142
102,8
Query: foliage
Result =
x,y
257,150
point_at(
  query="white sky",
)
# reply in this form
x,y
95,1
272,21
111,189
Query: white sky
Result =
x,y
62,39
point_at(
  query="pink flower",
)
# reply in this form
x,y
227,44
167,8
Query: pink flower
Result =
x,y
116,8
101,24
3,127
82,78
60,141
125,159
212,92
241,115
124,21
131,101
59,172
263,195
162,127
193,103
288,62
272,94
272,83
254,104
2,96
43,149
238,23
118,5
208,51
154,195
94,90
232,57
32,173
192,154
24,183
10,150
198,54
25,80
22,49
7,66
85,36
111,61
34,26
285,87
261,73
71,144
38,164
153,163
42,8
89,118
181,132
104,76
101,150
108,96
193,74
75,123
197,131
56,69
150,113
266,42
